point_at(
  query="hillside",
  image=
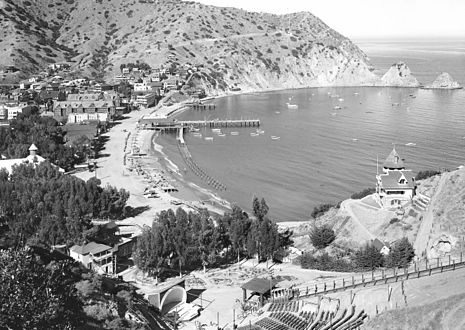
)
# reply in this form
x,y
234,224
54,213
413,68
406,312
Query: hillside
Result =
x,y
239,49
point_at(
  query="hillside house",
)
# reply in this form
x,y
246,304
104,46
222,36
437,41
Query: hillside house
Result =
x,y
95,256
396,186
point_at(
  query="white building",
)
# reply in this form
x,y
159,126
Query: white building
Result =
x,y
395,187
74,118
33,158
98,257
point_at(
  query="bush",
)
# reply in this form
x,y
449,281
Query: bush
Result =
x,y
324,262
363,193
426,174
368,257
401,254
320,210
322,236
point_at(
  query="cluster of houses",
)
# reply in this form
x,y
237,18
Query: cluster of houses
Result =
x,y
81,100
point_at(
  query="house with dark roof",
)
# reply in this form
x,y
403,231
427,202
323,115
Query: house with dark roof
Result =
x,y
98,257
396,186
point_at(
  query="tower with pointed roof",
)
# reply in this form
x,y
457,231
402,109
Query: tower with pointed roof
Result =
x,y
395,187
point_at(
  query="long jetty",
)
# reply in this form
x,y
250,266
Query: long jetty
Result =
x,y
163,124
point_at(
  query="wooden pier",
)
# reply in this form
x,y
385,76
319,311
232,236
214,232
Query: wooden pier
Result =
x,y
202,106
162,125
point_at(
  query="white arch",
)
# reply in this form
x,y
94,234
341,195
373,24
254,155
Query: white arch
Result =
x,y
177,294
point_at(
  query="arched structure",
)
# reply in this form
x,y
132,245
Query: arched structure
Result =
x,y
177,294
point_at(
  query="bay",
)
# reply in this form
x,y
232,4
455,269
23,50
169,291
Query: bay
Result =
x,y
323,154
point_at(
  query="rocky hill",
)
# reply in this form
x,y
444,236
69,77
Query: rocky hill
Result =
x,y
399,75
444,81
239,49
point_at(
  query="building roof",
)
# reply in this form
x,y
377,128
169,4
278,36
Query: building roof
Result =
x,y
90,247
33,147
393,161
8,164
259,285
392,180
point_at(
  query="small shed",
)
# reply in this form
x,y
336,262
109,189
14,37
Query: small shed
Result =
x,y
260,286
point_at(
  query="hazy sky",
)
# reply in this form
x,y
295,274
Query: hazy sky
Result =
x,y
371,18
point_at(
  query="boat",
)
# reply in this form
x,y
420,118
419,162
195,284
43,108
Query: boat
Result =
x,y
260,131
292,106
337,107
197,135
410,144
193,129
234,133
341,99
209,138
277,112
216,130
221,134
273,137
254,134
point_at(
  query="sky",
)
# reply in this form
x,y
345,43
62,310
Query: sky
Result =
x,y
359,19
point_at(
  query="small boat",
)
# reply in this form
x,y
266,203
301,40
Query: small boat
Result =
x,y
337,107
273,137
209,138
278,112
193,129
254,134
410,144
341,100
221,134
355,140
216,130
292,106
197,135
234,133
260,131
355,93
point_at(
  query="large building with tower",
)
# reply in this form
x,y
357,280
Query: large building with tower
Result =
x,y
395,187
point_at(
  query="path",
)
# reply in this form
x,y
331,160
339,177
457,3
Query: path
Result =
x,y
422,240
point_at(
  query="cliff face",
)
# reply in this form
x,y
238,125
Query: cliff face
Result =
x,y
399,75
238,49
444,81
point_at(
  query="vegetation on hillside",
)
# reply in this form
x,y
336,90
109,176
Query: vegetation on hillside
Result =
x,y
179,240
46,134
41,290
42,205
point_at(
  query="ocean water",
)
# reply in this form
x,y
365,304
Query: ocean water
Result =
x,y
323,154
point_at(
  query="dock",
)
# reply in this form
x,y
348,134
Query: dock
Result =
x,y
163,124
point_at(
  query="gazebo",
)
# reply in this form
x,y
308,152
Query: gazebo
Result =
x,y
261,286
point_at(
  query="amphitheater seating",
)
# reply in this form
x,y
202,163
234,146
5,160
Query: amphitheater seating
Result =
x,y
291,320
291,306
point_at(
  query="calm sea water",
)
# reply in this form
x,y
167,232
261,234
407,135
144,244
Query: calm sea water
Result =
x,y
323,154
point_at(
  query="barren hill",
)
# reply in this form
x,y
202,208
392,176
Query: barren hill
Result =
x,y
239,49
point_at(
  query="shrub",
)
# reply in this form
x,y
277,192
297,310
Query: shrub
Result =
x,y
363,193
401,254
426,174
368,257
321,209
324,262
322,236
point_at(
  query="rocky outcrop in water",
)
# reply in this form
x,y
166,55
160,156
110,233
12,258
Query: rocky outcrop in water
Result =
x,y
399,75
444,81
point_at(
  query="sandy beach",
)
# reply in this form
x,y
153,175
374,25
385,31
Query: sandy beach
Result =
x,y
145,170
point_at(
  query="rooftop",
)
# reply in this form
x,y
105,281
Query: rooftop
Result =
x,y
393,161
259,285
392,179
90,247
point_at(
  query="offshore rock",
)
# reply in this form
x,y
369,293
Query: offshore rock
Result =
x,y
444,81
399,75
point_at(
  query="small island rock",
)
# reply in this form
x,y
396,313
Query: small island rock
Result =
x,y
399,75
444,81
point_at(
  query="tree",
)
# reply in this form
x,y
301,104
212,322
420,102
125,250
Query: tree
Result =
x,y
35,294
402,252
368,256
322,236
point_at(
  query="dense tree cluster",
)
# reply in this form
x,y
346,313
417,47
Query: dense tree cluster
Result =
x,y
178,239
35,295
43,290
42,205
322,236
368,257
46,134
